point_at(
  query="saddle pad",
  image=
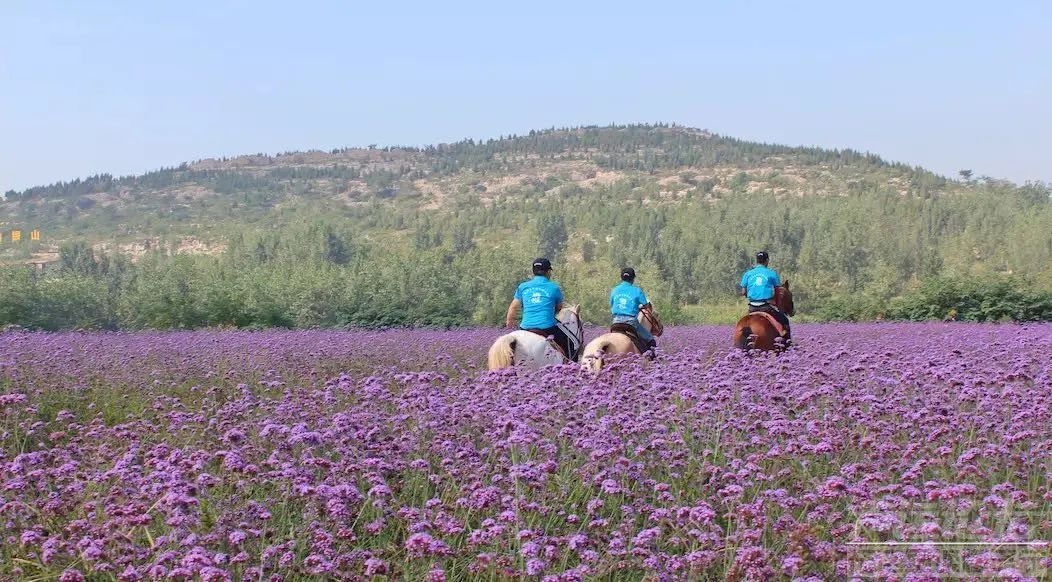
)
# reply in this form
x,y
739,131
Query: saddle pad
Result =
x,y
777,325
627,329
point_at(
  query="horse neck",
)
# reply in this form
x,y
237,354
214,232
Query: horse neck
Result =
x,y
783,300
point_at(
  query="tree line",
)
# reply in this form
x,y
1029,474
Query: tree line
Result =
x,y
319,274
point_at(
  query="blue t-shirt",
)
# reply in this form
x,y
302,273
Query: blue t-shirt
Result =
x,y
759,283
539,297
626,299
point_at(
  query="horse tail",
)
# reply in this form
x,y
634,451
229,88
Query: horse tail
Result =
x,y
743,338
592,358
502,352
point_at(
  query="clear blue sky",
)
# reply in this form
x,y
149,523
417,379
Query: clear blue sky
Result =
x,y
125,87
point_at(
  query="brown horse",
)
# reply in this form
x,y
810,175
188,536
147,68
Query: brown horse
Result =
x,y
757,330
618,343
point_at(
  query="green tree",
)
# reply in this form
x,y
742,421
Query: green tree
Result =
x,y
551,235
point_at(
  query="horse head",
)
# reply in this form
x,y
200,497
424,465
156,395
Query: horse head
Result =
x,y
568,310
570,320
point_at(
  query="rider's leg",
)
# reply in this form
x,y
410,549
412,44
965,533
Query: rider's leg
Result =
x,y
782,319
644,334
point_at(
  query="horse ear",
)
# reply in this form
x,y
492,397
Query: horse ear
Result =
x,y
786,284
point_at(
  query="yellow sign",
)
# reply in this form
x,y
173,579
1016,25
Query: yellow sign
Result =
x,y
34,235
16,235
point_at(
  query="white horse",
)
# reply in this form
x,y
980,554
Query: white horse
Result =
x,y
618,343
533,350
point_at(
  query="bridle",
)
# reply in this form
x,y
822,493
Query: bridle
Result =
x,y
576,338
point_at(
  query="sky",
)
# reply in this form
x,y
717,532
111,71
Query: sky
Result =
x,y
127,87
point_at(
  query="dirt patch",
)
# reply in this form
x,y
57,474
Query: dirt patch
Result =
x,y
436,193
604,179
194,246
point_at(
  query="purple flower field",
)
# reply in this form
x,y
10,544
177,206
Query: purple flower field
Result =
x,y
314,455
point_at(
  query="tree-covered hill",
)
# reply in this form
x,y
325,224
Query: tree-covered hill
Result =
x,y
439,235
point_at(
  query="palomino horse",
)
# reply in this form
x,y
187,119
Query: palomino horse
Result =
x,y
535,351
618,343
757,331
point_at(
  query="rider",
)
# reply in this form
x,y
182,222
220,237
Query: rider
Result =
x,y
540,299
758,285
626,301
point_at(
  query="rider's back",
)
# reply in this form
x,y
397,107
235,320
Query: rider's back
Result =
x,y
759,283
539,297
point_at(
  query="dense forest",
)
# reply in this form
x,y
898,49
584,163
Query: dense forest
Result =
x,y
441,235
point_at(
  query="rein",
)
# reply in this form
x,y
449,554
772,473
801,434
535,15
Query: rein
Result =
x,y
576,338
651,320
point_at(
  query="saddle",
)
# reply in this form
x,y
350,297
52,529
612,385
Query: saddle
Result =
x,y
627,329
778,327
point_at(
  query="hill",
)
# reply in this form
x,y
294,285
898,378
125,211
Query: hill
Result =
x,y
461,220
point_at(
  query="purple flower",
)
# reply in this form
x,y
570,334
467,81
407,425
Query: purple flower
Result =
x,y
646,537
9,400
69,575
422,544
534,567
610,487
375,567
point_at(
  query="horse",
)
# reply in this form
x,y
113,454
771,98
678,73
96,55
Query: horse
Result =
x,y
615,342
756,330
533,350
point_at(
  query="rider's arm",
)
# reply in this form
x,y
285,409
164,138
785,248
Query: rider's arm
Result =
x,y
513,310
558,300
741,291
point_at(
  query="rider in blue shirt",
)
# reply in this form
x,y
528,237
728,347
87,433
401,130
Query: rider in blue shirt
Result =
x,y
758,285
540,299
626,301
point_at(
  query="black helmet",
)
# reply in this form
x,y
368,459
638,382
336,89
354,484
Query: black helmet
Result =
x,y
762,257
628,274
541,265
